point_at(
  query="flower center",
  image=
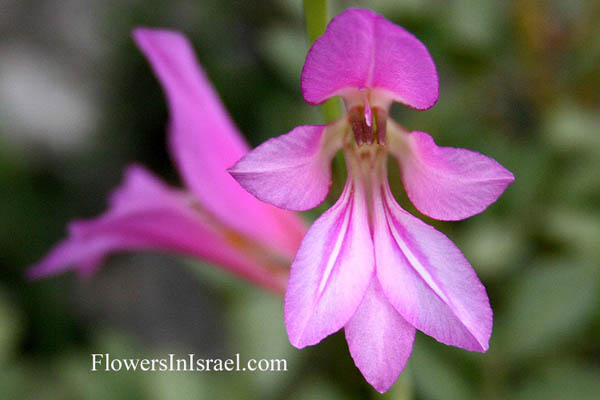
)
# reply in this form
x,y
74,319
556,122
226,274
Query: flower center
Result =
x,y
368,124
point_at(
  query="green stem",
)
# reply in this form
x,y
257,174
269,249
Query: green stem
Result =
x,y
315,15
316,18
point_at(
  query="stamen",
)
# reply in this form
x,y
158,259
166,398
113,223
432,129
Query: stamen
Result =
x,y
368,131
368,115
380,124
368,121
355,121
363,133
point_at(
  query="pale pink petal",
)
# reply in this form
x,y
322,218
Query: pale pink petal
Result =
x,y
362,50
446,183
331,271
205,142
428,280
145,214
379,339
292,171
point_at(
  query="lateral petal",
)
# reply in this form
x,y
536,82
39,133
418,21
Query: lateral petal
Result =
x,y
428,280
145,214
446,183
292,171
331,271
204,143
379,339
362,50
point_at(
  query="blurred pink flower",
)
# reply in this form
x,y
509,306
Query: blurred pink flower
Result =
x,y
367,265
215,219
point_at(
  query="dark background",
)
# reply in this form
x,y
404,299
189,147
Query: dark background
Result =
x,y
519,81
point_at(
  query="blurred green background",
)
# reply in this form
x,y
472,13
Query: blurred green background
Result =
x,y
519,81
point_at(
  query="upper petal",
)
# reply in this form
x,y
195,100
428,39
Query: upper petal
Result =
x,y
379,339
362,50
204,142
331,271
291,171
145,214
428,280
446,183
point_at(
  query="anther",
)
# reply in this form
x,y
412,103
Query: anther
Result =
x,y
380,124
363,132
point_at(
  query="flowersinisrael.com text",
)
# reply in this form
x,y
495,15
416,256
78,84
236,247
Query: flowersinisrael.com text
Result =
x,y
104,362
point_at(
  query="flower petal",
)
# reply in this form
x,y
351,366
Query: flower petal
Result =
x,y
292,171
145,214
331,271
379,339
205,142
428,280
363,50
446,183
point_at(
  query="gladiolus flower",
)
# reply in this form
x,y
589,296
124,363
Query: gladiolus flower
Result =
x,y
214,219
367,265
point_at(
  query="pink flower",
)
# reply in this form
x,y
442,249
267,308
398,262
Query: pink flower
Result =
x,y
215,220
366,265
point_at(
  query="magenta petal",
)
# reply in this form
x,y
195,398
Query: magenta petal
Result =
x,y
145,214
363,50
428,280
379,339
291,171
205,142
444,182
331,271
86,257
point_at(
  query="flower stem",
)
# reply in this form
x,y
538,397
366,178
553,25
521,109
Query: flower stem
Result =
x,y
316,18
315,15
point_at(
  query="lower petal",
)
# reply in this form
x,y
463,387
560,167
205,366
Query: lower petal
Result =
x,y
331,271
379,339
428,280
